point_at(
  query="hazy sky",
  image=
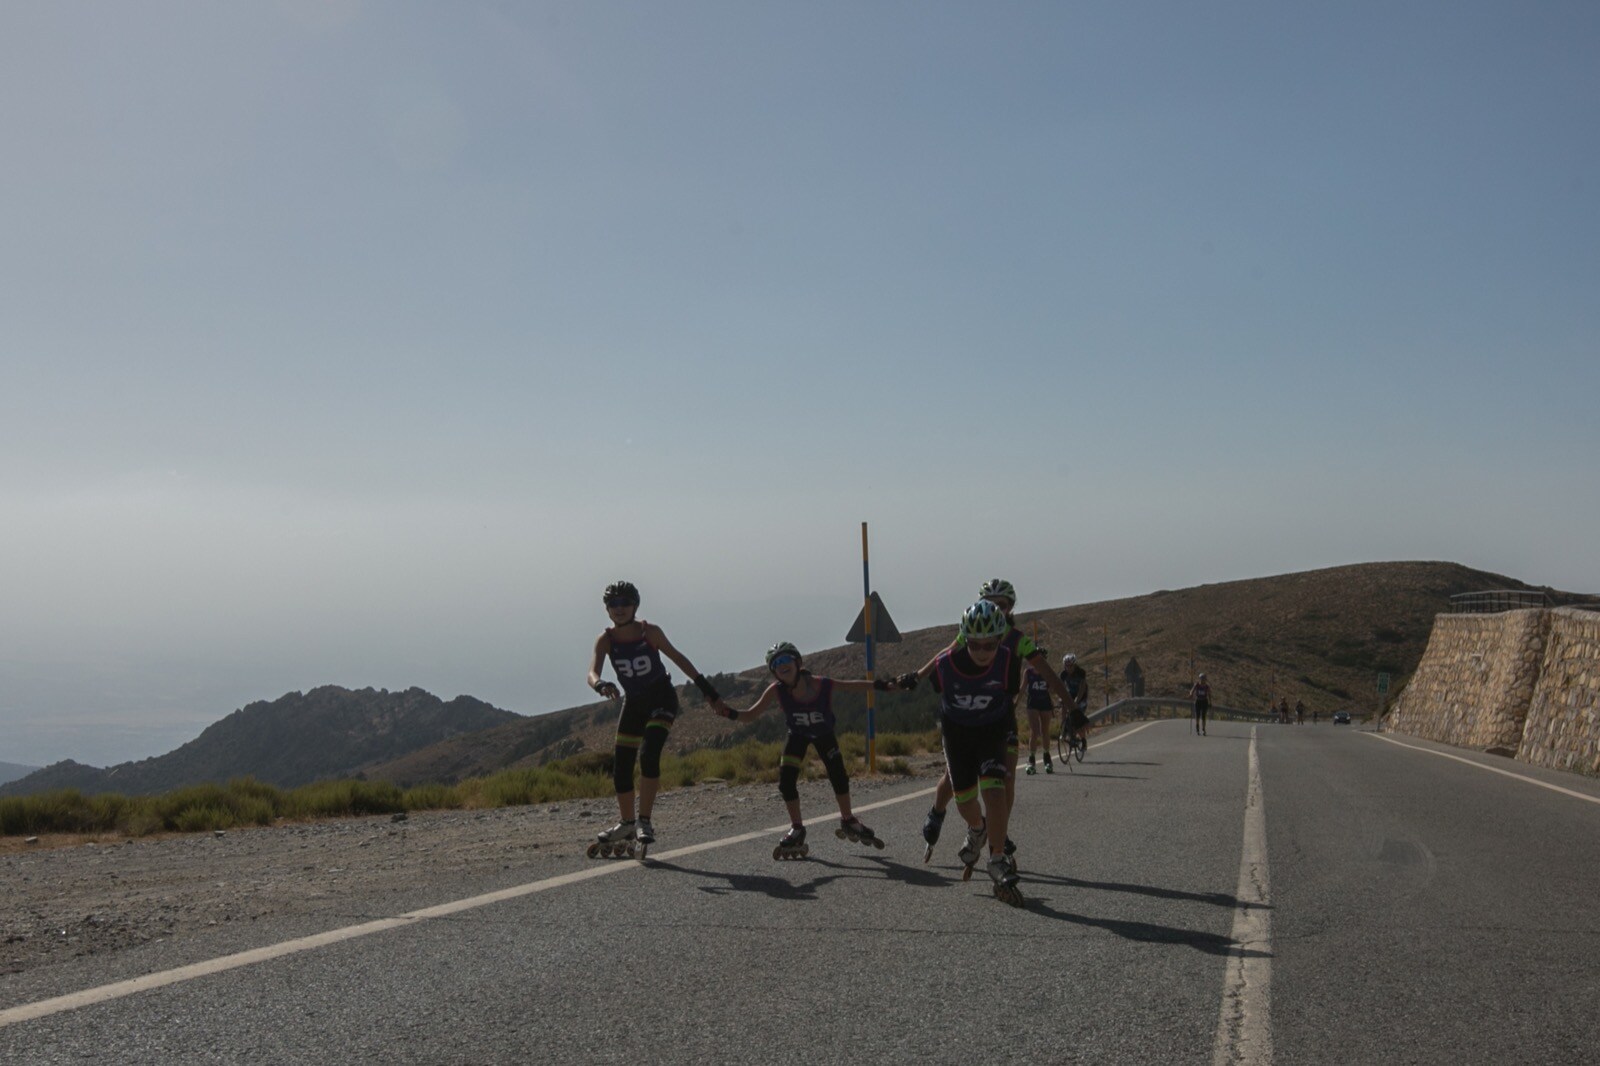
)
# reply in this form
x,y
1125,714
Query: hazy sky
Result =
x,y
364,343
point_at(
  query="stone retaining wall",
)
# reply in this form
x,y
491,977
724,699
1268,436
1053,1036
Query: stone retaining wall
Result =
x,y
1562,730
1523,683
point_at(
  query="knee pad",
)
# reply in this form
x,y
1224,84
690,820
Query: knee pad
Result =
x,y
833,762
622,767
655,740
789,780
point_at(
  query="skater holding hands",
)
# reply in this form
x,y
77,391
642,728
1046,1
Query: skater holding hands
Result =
x,y
978,681
1003,595
649,707
807,704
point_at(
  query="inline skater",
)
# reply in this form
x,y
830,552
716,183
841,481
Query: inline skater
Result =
x,y
1077,681
1040,708
1002,594
807,704
1201,694
978,681
649,707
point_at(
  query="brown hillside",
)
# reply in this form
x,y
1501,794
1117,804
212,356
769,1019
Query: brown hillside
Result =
x,y
1321,636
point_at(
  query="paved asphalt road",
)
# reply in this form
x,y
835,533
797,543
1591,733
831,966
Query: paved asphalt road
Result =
x,y
1422,910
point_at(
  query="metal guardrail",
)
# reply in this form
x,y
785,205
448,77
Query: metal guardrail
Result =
x,y
1135,708
1494,601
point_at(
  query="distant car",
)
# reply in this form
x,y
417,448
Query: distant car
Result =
x,y
1341,717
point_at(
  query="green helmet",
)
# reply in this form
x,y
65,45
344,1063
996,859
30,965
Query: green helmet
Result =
x,y
983,620
783,647
998,586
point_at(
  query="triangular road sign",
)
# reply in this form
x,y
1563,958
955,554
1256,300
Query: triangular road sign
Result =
x,y
883,630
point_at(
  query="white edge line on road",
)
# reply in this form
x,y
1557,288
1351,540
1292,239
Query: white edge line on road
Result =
x,y
104,993
1490,769
1244,1029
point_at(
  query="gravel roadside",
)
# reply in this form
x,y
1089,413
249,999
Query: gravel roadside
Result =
x,y
67,898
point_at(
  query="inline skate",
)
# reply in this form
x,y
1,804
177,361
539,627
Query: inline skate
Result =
x,y
613,843
1003,872
930,831
855,832
793,845
972,849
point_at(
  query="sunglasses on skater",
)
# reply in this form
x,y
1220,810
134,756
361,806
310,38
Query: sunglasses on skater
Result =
x,y
783,660
982,645
619,603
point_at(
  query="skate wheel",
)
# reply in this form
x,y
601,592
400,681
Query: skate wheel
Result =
x,y
777,854
966,873
927,855
1010,895
877,843
644,849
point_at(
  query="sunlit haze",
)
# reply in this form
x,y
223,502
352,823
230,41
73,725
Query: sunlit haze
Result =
x,y
363,344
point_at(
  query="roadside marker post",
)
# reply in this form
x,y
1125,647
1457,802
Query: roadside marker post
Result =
x,y
873,624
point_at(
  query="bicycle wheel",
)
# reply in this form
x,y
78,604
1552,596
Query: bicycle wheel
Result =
x,y
1080,749
1064,744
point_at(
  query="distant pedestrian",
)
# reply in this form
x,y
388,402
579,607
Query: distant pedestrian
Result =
x,y
1299,712
1200,693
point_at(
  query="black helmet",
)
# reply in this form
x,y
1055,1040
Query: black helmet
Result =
x,y
622,590
783,647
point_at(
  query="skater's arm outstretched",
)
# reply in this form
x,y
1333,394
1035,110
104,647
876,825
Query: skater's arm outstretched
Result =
x,y
658,640
601,648
755,710
863,685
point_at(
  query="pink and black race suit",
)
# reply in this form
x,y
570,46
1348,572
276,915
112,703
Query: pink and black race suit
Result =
x,y
638,665
974,699
813,719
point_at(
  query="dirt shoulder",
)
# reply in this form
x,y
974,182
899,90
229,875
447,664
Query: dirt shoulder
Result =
x,y
69,897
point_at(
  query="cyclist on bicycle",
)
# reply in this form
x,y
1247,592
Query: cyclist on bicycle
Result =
x,y
1077,681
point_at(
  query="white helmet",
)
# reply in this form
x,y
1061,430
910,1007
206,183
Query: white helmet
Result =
x,y
1068,659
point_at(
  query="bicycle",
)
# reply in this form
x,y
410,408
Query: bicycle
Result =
x,y
1069,746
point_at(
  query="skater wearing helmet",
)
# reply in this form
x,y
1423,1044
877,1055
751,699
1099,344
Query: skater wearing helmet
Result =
x,y
1077,681
978,681
807,704
1003,595
649,707
1040,708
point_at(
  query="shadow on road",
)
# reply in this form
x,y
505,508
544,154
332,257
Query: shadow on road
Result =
x,y
1220,899
1107,777
1148,932
776,887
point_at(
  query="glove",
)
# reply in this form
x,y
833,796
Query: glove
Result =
x,y
607,689
727,712
907,682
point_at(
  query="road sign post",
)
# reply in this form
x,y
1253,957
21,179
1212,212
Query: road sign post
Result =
x,y
873,624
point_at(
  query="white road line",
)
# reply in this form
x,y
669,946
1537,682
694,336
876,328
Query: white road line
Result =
x,y
1244,1031
90,996
1491,769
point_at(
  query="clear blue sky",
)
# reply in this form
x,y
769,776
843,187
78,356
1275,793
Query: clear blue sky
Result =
x,y
363,343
